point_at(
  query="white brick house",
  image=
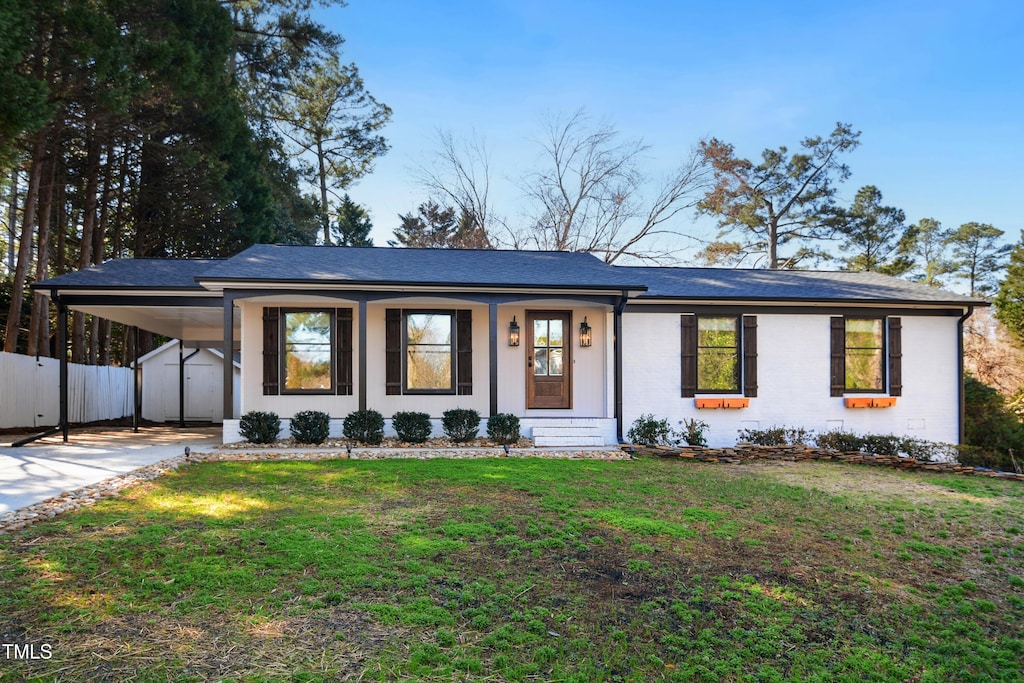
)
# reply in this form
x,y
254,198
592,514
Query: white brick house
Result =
x,y
576,348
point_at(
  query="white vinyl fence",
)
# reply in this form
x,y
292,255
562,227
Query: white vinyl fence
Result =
x,y
30,391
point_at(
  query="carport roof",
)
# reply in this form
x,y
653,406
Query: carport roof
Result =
x,y
149,273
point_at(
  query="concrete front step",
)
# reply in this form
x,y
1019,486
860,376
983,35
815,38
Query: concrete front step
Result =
x,y
549,441
568,435
548,430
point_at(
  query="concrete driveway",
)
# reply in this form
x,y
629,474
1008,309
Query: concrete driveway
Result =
x,y
48,467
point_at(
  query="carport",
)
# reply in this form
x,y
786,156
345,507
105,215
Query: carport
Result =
x,y
157,295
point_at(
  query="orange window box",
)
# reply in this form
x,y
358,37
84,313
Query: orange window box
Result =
x,y
736,403
858,402
883,402
708,402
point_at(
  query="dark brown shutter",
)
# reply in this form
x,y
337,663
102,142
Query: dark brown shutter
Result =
x,y
464,352
344,332
895,357
271,351
689,355
750,355
838,355
392,351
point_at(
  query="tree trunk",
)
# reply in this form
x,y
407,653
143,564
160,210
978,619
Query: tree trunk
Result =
x,y
325,218
85,245
12,217
39,325
99,234
25,246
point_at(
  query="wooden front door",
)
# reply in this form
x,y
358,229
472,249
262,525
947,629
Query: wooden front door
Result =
x,y
548,359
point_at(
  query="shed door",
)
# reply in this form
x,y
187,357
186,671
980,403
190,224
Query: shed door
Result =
x,y
201,394
548,359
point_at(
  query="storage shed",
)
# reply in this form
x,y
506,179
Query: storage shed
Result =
x,y
202,371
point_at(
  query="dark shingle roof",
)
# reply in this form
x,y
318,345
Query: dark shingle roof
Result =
x,y
788,285
458,267
498,269
133,274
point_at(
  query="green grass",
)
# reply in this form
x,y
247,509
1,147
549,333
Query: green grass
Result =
x,y
518,569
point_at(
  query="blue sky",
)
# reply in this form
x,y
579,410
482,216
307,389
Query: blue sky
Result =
x,y
936,88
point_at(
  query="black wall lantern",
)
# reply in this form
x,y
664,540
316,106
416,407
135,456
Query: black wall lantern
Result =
x,y
585,336
513,332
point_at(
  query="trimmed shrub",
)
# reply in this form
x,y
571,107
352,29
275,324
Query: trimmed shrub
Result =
x,y
838,440
412,427
364,426
461,424
310,426
770,436
777,436
503,428
692,432
882,444
259,427
648,431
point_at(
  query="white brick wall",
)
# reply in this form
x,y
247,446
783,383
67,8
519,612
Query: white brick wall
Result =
x,y
793,379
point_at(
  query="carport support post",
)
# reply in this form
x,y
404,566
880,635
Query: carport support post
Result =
x,y
138,382
229,356
62,350
492,356
181,383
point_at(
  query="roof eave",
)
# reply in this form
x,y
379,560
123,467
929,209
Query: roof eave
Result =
x,y
221,283
810,301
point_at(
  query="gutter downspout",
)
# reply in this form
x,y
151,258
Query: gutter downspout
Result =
x,y
182,359
617,352
961,427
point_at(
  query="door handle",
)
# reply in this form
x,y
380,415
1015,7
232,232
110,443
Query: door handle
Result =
x,y
529,361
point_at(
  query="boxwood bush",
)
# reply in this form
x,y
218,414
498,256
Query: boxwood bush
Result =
x,y
411,426
364,426
310,426
648,431
461,424
259,427
503,428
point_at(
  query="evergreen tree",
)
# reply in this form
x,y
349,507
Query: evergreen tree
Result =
x,y
1009,301
354,225
926,244
781,201
978,255
874,236
431,228
439,227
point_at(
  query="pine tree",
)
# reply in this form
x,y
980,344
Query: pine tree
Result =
x,y
874,236
1009,301
354,225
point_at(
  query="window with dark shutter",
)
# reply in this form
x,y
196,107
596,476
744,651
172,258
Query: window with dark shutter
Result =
x,y
689,355
344,323
867,355
838,365
393,351
895,357
464,352
271,351
750,355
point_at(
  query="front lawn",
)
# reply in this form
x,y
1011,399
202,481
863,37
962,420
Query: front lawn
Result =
x,y
523,569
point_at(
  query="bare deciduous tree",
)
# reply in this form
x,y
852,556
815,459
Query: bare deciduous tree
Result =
x,y
586,195
590,196
460,174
